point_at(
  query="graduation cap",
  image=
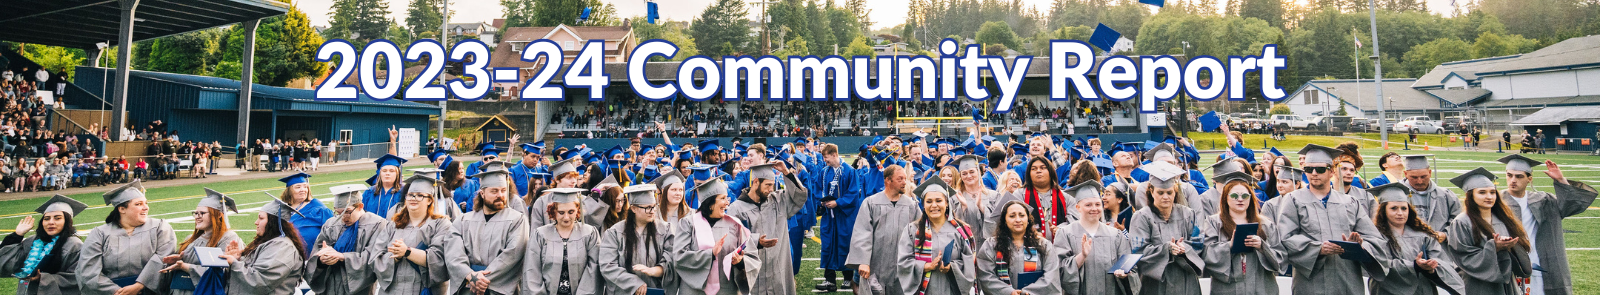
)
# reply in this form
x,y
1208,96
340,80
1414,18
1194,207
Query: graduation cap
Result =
x,y
533,148
1517,162
1057,140
1086,190
1319,154
1225,166
702,171
914,139
421,184
764,171
297,178
671,177
1475,179
60,203
1104,37
1416,162
490,166
219,201
280,209
711,188
584,15
445,162
346,195
372,180
1210,121
434,156
1163,175
488,149
563,166
957,152
802,140
389,160
614,151
564,195
969,144
1274,151
1019,149
596,159
650,12
1161,150
493,178
1391,192
640,194
1103,163
933,185
709,145
575,153
969,162
977,113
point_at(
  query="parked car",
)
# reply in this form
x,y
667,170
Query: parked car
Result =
x,y
1295,121
1418,126
1454,124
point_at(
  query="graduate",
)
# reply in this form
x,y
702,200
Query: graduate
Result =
x,y
113,258
1349,183
924,242
530,166
1311,218
1042,192
513,201
185,275
1015,249
489,154
767,209
1541,214
341,261
877,232
672,205
385,192
831,184
1209,202
416,256
605,207
1187,192
1435,205
970,202
1393,169
45,262
633,253
1087,249
493,236
1253,271
313,214
272,263
1164,231
712,252
1488,242
1414,253
565,175
563,256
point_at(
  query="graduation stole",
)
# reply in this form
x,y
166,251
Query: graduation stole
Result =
x,y
1002,266
924,249
1046,220
704,241
347,239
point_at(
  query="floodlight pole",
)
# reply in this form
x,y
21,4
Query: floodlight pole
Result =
x,y
1377,72
444,111
119,98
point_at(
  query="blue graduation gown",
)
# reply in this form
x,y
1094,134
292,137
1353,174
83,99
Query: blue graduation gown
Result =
x,y
379,202
309,222
838,223
474,168
466,194
521,173
1382,179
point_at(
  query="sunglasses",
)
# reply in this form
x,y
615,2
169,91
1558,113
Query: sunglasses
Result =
x,y
1238,196
1316,170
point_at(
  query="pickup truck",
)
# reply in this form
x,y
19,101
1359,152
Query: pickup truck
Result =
x,y
1295,122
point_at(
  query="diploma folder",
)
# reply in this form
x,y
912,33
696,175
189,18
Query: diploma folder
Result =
x,y
1353,251
1240,232
947,253
1125,263
1027,278
209,256
654,291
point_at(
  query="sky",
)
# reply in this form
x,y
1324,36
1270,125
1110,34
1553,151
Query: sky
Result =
x,y
884,13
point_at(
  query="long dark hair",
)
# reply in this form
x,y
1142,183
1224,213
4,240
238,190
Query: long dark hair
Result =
x,y
1381,220
448,176
630,240
115,217
610,196
1501,212
1082,171
1271,173
275,229
67,229
1027,176
1030,239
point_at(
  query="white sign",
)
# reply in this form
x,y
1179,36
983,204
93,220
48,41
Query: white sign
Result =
x,y
408,142
49,98
1158,119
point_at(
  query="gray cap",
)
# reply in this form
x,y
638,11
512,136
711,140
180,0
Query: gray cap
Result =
x,y
669,178
1319,154
493,166
711,188
1235,175
1475,179
1415,162
1286,172
493,178
563,166
62,204
1086,190
564,195
641,194
1161,150
219,201
346,195
764,171
1163,175
1391,192
969,162
933,185
610,180
1225,166
421,184
122,194
1517,162
280,209
430,171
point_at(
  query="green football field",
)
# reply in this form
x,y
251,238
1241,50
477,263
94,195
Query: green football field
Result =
x,y
174,204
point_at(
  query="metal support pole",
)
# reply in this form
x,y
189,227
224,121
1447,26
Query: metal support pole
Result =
x,y
246,79
1377,69
444,111
119,100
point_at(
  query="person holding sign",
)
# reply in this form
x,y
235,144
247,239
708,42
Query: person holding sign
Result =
x,y
1313,219
1541,214
270,264
1414,253
340,261
186,275
1164,230
1018,253
113,258
1240,255
45,262
712,252
1089,249
632,252
417,254
1488,241
935,252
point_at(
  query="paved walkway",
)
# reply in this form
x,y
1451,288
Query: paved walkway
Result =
x,y
223,174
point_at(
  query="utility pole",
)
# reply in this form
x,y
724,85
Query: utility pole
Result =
x,y
444,112
1377,71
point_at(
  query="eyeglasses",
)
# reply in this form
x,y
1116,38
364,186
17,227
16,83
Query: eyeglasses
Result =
x,y
1316,170
645,208
1238,196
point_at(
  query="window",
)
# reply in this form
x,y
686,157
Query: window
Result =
x,y
567,45
1311,97
344,136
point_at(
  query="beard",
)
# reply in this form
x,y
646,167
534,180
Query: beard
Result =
x,y
496,205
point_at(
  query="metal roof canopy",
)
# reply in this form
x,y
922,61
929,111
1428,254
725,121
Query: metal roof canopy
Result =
x,y
82,23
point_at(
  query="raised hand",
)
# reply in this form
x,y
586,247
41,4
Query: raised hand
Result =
x,y
393,133
235,248
1554,172
25,225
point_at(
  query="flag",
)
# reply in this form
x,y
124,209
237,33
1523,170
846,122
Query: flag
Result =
x,y
1357,38
651,15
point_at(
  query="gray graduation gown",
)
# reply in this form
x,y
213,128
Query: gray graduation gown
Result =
x,y
1438,208
909,275
536,212
191,257
1209,201
1364,198
1248,273
354,274
990,282
770,217
400,276
1485,269
594,211
541,267
876,232
62,282
1549,242
1091,278
110,252
977,214
1305,224
693,265
619,275
272,268
1189,196
1404,277
1162,272
496,245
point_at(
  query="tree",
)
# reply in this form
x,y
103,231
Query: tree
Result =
x,y
722,29
821,28
846,27
1280,109
358,20
188,53
549,13
672,32
423,18
56,59
1491,45
859,47
1267,10
795,47
286,48
997,32
1422,58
